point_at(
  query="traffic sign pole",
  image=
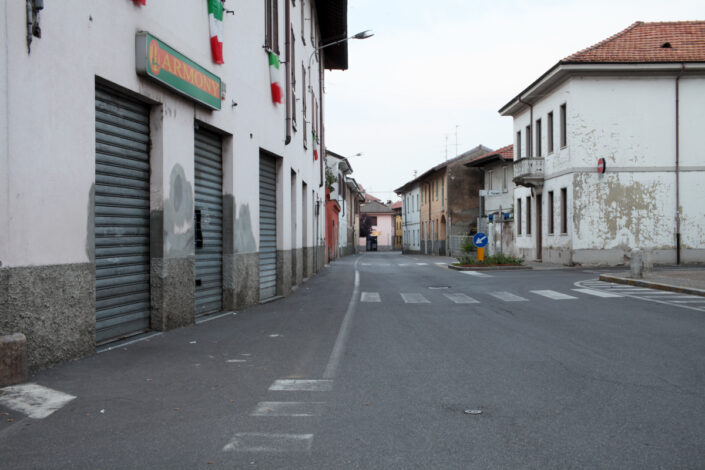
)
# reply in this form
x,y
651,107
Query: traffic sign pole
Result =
x,y
481,254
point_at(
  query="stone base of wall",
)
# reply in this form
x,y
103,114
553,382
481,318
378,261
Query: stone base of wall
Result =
x,y
320,257
53,306
297,266
245,292
284,262
173,293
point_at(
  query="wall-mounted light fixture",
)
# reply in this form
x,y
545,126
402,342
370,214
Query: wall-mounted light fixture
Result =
x,y
33,29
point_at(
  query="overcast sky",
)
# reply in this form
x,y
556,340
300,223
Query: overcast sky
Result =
x,y
432,66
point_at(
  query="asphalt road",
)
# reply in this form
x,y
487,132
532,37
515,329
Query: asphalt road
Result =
x,y
391,361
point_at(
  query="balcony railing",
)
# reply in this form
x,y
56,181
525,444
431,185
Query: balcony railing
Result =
x,y
529,171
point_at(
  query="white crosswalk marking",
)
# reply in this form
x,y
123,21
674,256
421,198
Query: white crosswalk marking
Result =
x,y
475,273
461,299
289,385
551,294
265,442
370,297
598,293
288,408
414,299
34,400
421,264
508,297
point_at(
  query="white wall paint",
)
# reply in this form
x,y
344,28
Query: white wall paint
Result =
x,y
48,155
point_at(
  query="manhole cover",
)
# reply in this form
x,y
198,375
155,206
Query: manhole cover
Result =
x,y
439,287
473,412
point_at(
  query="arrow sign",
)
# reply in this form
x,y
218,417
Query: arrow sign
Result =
x,y
480,240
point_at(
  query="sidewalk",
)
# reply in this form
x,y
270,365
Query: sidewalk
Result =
x,y
686,280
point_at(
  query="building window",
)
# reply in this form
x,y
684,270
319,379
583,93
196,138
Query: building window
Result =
x,y
518,216
528,215
549,131
436,182
564,210
527,136
373,220
488,179
417,202
564,132
518,145
550,212
271,26
443,193
505,173
537,136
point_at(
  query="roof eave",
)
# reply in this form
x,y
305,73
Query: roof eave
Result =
x,y
563,70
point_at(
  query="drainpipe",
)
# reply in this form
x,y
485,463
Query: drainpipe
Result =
x,y
289,70
678,192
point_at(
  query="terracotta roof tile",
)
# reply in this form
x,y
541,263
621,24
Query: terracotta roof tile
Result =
x,y
506,153
663,42
396,205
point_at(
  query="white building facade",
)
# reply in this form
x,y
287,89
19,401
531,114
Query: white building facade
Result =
x,y
497,199
411,219
608,151
146,184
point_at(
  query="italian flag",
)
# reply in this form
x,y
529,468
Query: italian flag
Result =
x,y
215,21
274,78
140,2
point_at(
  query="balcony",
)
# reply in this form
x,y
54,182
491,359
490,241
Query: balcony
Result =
x,y
529,172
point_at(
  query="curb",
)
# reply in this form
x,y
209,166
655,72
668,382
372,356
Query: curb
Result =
x,y
652,285
488,268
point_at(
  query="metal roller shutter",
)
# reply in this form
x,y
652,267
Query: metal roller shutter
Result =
x,y
122,256
267,227
209,222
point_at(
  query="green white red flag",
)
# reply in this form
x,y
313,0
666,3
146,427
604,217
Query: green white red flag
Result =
x,y
215,22
275,77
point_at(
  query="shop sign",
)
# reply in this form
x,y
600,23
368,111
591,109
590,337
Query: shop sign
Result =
x,y
159,62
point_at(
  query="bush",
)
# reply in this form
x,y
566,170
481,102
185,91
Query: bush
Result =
x,y
468,246
491,260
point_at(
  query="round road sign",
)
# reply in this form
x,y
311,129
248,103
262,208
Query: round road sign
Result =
x,y
480,240
601,165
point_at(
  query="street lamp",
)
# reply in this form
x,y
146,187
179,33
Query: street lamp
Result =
x,y
361,35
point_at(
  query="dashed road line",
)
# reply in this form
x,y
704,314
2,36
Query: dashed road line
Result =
x,y
507,297
269,442
461,299
475,273
370,297
414,299
552,294
598,293
301,385
288,408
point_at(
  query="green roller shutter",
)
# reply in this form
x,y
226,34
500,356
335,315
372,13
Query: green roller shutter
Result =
x,y
209,222
122,257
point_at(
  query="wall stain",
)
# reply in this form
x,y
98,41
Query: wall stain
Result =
x,y
244,237
178,215
619,212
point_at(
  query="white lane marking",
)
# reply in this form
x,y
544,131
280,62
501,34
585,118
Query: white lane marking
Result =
x,y
301,385
552,294
421,264
475,273
233,361
288,408
634,293
375,264
461,299
598,293
508,297
265,442
339,346
691,301
414,299
402,265
35,401
370,297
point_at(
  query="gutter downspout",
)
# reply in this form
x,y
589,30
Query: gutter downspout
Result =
x,y
289,70
678,199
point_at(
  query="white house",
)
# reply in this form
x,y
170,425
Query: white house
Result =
x,y
145,183
411,217
497,198
608,150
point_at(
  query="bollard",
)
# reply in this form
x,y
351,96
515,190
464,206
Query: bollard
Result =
x,y
13,362
637,263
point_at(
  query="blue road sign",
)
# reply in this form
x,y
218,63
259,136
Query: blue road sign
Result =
x,y
480,240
